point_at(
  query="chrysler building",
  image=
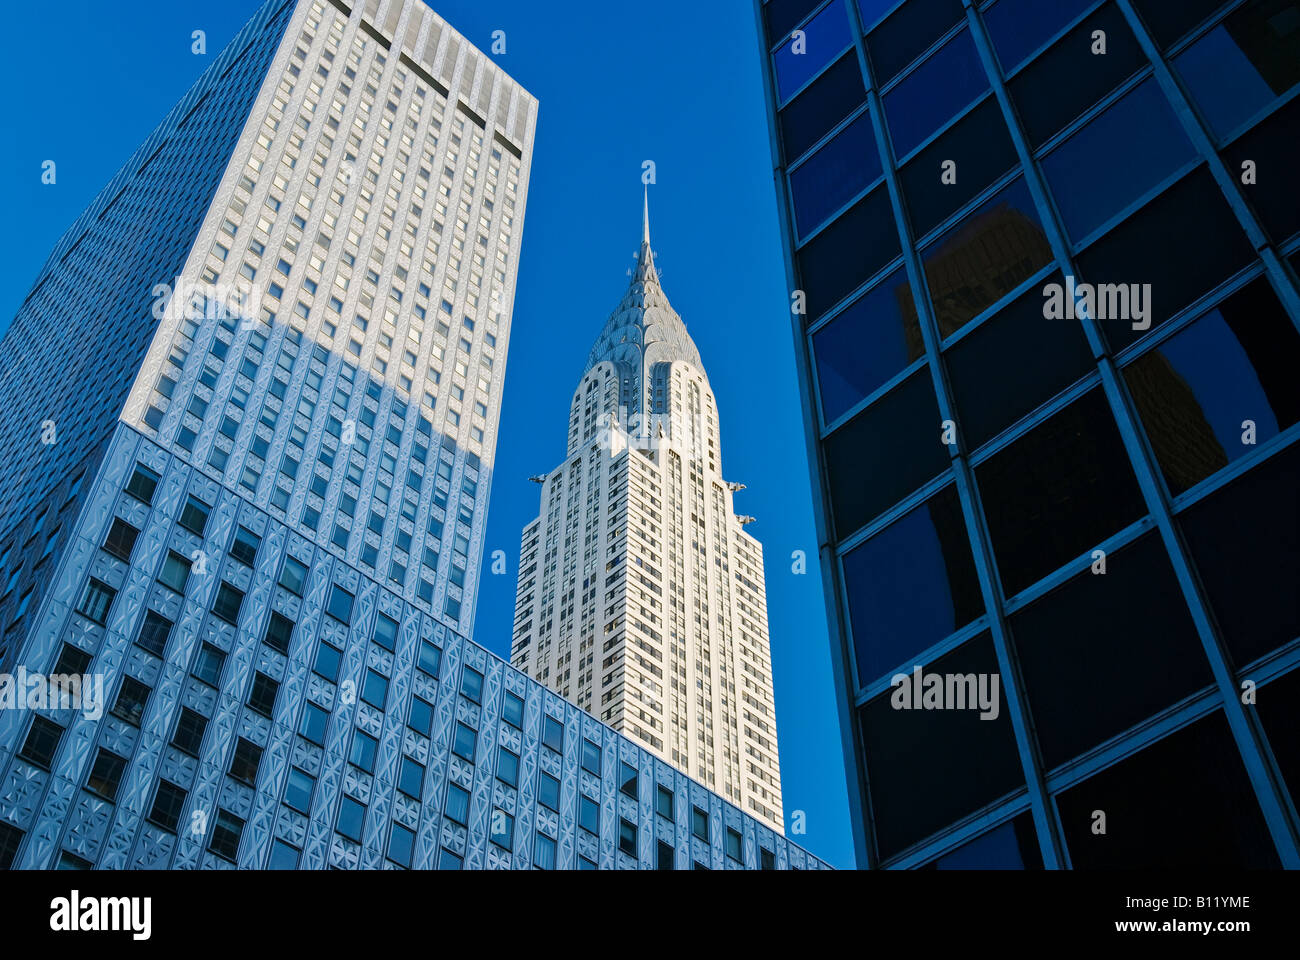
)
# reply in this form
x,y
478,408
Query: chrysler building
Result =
x,y
640,595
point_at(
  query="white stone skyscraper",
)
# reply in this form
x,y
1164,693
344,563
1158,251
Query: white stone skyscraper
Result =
x,y
641,597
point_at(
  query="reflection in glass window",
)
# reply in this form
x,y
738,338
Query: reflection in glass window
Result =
x,y
1242,65
1093,177
1184,243
869,342
1196,390
934,92
976,263
1169,21
911,585
823,37
1056,492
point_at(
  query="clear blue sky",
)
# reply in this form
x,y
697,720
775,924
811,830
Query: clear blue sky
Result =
x,y
673,82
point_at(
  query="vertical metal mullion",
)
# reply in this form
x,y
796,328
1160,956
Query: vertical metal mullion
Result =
x,y
981,548
836,603
1264,777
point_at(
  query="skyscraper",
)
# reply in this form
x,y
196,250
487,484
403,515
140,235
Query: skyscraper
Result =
x,y
640,596
1042,255
248,413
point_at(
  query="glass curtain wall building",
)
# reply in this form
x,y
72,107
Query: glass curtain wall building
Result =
x,y
1043,256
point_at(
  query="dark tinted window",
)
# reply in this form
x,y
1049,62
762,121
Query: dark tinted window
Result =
x,y
154,633
928,768
42,740
1278,705
1013,363
1245,539
1271,147
980,260
979,149
782,16
121,539
1242,65
106,774
866,344
1183,243
1056,492
828,100
911,585
1184,801
278,632
932,94
1169,21
1012,846
836,173
1082,645
884,453
1196,391
1069,78
1019,27
906,34
1092,181
849,251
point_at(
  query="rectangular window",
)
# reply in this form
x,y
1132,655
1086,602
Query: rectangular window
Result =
x,y
132,697
244,547
588,814
508,767
430,658
298,790
733,844
279,631
168,802
664,802
374,690
190,728
512,710
457,804
106,774
175,572
142,484
228,603
628,780
421,716
700,823
154,633
262,695
42,741
244,764
627,837
548,791
410,778
501,829
544,852
225,835
464,742
591,757
340,604
293,576
386,632
96,601
194,515
352,819
364,749
121,539
664,855
208,664
471,685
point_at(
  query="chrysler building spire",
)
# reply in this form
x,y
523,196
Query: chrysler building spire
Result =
x,y
641,596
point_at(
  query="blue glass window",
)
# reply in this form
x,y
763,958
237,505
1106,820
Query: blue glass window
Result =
x,y
1244,64
934,92
1196,390
1019,27
864,345
1118,156
832,176
465,740
824,36
911,585
906,33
